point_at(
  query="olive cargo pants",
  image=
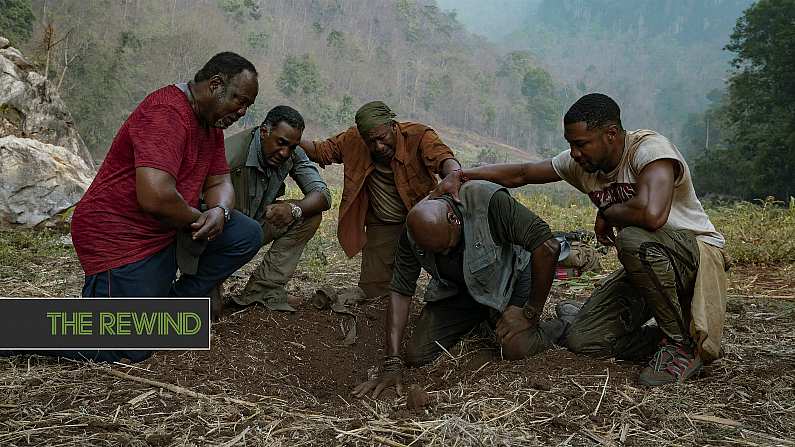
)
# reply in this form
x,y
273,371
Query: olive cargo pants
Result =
x,y
656,280
266,284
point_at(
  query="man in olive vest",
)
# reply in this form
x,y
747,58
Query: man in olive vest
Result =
x,y
490,259
260,159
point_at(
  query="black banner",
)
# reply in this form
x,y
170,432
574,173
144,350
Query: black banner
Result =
x,y
104,323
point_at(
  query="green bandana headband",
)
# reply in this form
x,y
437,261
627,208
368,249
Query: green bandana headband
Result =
x,y
372,115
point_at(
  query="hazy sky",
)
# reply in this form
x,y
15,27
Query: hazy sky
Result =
x,y
495,18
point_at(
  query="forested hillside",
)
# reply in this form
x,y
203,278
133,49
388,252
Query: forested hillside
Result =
x,y
658,58
326,57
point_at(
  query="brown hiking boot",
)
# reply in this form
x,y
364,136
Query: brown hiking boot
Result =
x,y
673,362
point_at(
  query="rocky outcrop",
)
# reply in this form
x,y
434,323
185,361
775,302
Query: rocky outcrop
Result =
x,y
39,180
44,165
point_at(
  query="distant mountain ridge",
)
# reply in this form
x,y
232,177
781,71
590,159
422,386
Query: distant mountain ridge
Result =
x,y
658,58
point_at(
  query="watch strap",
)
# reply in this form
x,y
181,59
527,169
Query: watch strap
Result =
x,y
227,213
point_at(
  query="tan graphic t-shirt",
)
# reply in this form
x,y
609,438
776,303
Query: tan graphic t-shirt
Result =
x,y
642,147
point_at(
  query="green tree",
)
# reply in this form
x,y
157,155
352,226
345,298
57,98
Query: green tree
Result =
x,y
299,74
543,103
515,65
336,40
16,20
258,40
345,113
436,90
760,107
241,10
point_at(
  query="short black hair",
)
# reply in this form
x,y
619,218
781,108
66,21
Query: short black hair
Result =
x,y
285,114
596,109
227,64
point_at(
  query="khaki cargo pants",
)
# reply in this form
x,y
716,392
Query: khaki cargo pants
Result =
x,y
656,280
266,284
378,256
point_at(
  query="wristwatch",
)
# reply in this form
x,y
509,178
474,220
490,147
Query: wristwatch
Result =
x,y
296,211
227,213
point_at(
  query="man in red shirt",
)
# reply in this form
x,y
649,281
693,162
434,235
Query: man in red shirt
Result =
x,y
143,207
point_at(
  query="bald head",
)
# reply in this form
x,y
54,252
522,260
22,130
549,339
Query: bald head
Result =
x,y
429,226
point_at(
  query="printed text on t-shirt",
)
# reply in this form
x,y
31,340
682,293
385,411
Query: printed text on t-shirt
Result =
x,y
612,194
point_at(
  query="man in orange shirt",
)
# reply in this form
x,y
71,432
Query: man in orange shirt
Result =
x,y
389,167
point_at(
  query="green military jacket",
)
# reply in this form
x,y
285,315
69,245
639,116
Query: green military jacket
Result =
x,y
258,185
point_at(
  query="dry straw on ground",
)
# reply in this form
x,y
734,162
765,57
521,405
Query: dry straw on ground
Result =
x,y
276,380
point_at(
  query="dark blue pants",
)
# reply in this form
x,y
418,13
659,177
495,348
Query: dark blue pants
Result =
x,y
154,277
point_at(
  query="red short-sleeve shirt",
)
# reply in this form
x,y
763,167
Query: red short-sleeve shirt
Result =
x,y
109,228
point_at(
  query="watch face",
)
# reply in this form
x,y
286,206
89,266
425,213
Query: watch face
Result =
x,y
226,212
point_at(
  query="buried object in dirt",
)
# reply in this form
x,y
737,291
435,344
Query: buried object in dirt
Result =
x,y
339,301
577,255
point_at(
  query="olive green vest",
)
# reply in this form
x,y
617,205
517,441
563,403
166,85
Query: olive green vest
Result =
x,y
490,270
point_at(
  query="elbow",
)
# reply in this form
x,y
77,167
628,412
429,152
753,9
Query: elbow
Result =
x,y
653,221
510,182
322,197
326,200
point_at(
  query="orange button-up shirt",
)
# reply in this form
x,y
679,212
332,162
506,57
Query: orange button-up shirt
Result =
x,y
419,155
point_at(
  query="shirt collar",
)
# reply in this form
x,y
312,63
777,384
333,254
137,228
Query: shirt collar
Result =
x,y
254,152
256,159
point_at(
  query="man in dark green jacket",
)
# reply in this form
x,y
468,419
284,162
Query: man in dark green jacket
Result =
x,y
260,159
490,260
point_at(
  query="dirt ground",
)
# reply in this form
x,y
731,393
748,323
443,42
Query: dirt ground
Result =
x,y
285,379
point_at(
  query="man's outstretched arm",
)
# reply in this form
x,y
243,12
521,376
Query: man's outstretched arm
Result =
x,y
510,175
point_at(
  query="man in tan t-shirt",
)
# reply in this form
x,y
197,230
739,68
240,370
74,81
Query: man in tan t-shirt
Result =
x,y
673,266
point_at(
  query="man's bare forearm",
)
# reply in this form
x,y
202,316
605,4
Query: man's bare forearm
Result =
x,y
220,194
638,212
544,259
314,202
397,318
173,210
513,175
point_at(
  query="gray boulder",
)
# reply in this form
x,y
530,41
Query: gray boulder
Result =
x,y
39,180
44,164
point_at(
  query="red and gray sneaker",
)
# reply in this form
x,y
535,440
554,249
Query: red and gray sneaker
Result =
x,y
673,362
